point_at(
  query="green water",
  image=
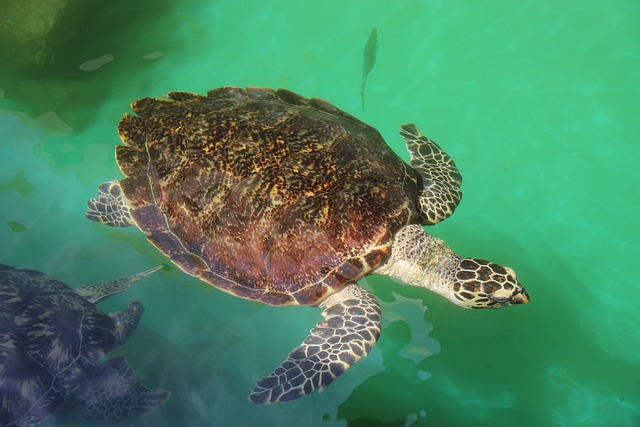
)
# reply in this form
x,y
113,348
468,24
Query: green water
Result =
x,y
538,102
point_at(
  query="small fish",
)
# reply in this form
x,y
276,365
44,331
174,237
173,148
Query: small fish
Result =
x,y
17,227
370,50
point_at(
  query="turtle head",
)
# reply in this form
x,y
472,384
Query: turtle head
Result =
x,y
422,260
482,284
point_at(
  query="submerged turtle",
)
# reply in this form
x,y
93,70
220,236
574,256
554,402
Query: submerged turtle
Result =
x,y
274,197
52,338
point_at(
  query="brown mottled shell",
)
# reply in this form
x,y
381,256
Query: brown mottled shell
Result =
x,y
264,194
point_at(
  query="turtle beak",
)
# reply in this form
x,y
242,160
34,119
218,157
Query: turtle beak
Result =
x,y
520,297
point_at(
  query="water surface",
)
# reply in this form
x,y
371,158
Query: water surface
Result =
x,y
537,102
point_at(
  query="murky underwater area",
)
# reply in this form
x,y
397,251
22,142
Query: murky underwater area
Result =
x,y
536,101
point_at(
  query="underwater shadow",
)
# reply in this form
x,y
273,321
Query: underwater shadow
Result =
x,y
89,55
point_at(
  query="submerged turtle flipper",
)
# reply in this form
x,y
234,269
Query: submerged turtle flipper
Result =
x,y
126,321
440,193
110,207
110,392
351,327
96,292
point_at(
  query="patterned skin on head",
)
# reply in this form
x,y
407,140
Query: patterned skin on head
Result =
x,y
483,284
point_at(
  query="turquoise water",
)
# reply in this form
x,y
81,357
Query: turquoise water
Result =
x,y
537,102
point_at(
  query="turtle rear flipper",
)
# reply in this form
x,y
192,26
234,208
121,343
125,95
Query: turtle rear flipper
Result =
x,y
351,327
110,392
110,206
439,192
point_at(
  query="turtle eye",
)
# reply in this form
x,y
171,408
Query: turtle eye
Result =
x,y
498,298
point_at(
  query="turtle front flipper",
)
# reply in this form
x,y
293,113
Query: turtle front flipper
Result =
x,y
351,327
96,292
110,207
110,392
439,193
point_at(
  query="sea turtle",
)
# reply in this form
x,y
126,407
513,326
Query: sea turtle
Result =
x,y
52,339
274,197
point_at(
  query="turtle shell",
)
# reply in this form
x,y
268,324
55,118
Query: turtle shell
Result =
x,y
264,194
48,333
